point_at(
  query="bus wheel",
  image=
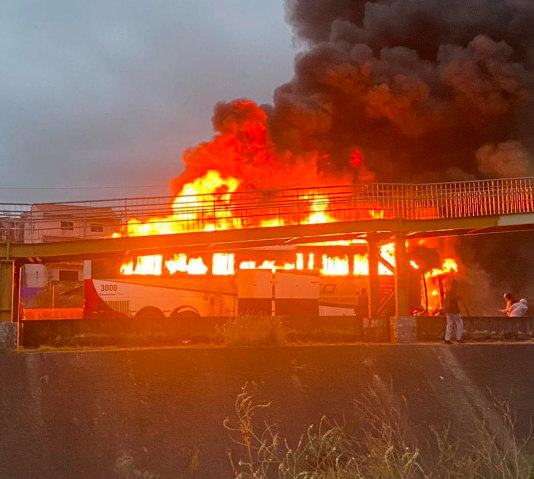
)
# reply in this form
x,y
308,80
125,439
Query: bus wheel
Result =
x,y
185,312
150,312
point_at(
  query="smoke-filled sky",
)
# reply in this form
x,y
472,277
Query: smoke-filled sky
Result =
x,y
109,93
426,90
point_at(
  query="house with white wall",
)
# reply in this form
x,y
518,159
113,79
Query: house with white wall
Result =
x,y
52,222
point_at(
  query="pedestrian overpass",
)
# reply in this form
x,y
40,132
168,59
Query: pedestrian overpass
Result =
x,y
229,221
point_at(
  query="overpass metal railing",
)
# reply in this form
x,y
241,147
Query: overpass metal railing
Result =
x,y
252,209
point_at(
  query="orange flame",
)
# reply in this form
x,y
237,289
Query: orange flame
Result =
x,y
181,263
335,266
223,264
449,265
185,209
144,265
360,265
300,261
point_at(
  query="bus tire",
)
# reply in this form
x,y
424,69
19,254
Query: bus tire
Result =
x,y
184,312
150,312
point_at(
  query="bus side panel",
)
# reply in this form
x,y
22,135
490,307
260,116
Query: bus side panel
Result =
x,y
125,299
254,291
297,294
337,294
94,306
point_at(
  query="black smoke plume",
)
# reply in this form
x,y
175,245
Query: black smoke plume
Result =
x,y
427,90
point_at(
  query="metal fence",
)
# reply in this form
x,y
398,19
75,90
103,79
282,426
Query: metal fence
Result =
x,y
252,209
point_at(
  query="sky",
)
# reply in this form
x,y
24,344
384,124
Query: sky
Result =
x,y
109,93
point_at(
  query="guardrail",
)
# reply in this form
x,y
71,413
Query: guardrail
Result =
x,y
31,223
131,332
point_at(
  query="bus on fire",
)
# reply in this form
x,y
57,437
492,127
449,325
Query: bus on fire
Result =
x,y
310,281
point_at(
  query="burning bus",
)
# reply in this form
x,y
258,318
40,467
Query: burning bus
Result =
x,y
314,280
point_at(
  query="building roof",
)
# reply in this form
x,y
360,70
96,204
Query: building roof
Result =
x,y
61,210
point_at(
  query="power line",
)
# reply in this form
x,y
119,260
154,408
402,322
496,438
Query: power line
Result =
x,y
79,187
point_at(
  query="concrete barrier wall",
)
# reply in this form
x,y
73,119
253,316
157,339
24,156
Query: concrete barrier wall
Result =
x,y
142,332
432,328
174,331
123,413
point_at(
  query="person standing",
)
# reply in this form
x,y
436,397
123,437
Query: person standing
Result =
x,y
361,310
452,310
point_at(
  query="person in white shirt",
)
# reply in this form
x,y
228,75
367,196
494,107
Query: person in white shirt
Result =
x,y
518,310
510,301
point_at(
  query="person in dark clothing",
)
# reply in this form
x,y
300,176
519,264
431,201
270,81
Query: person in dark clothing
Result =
x,y
452,310
361,310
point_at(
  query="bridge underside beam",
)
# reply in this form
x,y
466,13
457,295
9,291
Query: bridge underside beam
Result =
x,y
257,237
471,231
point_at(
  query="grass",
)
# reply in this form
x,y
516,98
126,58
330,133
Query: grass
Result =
x,y
261,329
382,449
253,329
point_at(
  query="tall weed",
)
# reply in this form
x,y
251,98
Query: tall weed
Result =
x,y
383,449
253,329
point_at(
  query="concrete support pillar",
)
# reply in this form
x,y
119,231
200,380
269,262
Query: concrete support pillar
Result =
x,y
7,277
402,307
9,331
403,329
374,282
17,272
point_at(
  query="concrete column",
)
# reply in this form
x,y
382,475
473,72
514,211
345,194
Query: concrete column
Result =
x,y
374,281
402,307
17,271
9,331
7,273
403,329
